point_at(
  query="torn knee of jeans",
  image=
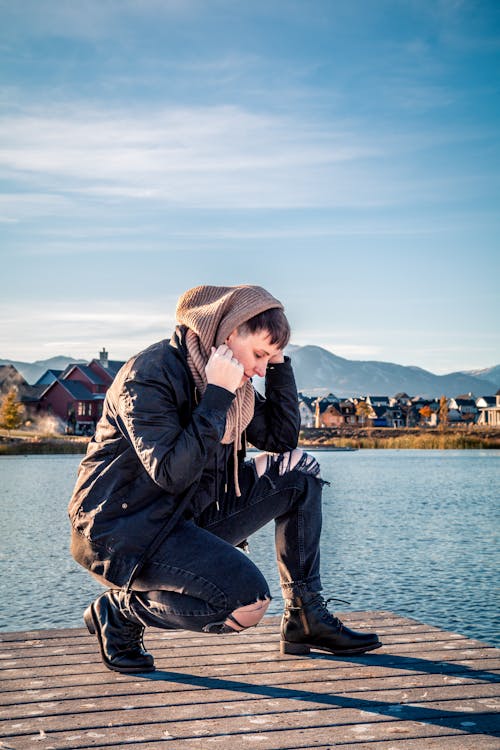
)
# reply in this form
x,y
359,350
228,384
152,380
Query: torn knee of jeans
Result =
x,y
278,464
306,464
241,618
310,466
299,460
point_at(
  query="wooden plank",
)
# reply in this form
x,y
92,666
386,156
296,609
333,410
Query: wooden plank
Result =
x,y
265,640
327,725
345,682
356,619
219,650
476,697
425,689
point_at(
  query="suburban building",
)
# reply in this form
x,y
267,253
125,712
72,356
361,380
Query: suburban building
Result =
x,y
306,410
49,376
10,378
377,400
28,395
104,367
463,408
76,396
333,412
489,415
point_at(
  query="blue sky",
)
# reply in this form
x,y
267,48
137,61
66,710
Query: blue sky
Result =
x,y
343,154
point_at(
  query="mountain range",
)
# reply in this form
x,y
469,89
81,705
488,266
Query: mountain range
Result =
x,y
31,371
318,371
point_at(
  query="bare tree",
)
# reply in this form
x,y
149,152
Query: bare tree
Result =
x,y
443,411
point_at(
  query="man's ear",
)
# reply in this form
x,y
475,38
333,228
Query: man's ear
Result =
x,y
233,333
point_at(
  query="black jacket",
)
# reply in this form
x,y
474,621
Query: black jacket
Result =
x,y
157,452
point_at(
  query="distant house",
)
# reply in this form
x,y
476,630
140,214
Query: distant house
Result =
x,y
378,401
388,412
306,410
10,378
463,409
348,411
74,404
395,416
400,398
327,413
84,374
105,368
404,410
330,399
378,416
28,395
490,415
49,376
486,402
76,395
332,412
30,399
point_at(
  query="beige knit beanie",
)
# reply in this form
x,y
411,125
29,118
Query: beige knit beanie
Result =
x,y
213,312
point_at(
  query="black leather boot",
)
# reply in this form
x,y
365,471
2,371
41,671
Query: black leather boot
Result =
x,y
308,624
119,634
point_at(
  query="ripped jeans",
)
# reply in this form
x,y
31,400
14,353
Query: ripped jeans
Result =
x,y
198,577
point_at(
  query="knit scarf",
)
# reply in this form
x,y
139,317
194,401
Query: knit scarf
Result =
x,y
211,313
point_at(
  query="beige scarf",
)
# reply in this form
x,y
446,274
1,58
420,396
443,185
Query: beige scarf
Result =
x,y
211,313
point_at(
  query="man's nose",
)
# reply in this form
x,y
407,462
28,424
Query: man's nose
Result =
x,y
260,370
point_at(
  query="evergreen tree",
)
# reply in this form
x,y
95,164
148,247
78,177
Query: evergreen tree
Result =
x,y
11,412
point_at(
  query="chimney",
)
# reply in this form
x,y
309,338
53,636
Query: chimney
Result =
x,y
103,358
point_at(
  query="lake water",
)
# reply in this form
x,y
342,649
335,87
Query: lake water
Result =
x,y
414,532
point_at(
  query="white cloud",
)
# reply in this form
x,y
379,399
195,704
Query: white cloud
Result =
x,y
64,328
211,156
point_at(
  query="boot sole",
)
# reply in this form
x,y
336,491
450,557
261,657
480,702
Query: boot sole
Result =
x,y
89,619
302,649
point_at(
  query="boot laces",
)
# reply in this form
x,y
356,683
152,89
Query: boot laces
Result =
x,y
134,635
326,615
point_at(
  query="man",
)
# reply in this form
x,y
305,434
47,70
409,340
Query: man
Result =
x,y
164,494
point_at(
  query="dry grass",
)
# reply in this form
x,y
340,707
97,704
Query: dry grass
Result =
x,y
416,439
24,442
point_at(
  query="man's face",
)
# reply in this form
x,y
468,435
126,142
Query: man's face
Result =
x,y
253,351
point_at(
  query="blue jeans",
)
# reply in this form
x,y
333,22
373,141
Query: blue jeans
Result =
x,y
198,576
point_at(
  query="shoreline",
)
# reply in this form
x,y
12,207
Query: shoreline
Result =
x,y
21,442
413,438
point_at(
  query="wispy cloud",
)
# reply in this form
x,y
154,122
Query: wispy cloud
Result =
x,y
212,157
63,327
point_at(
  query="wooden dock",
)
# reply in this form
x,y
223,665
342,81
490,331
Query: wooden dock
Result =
x,y
426,689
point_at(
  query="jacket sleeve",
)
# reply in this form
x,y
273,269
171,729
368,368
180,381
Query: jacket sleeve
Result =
x,y
276,422
174,455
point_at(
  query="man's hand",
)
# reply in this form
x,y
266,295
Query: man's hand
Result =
x,y
223,369
277,359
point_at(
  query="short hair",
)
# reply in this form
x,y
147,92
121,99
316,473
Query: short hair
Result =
x,y
273,321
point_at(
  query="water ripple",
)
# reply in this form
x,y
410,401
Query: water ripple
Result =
x,y
414,532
